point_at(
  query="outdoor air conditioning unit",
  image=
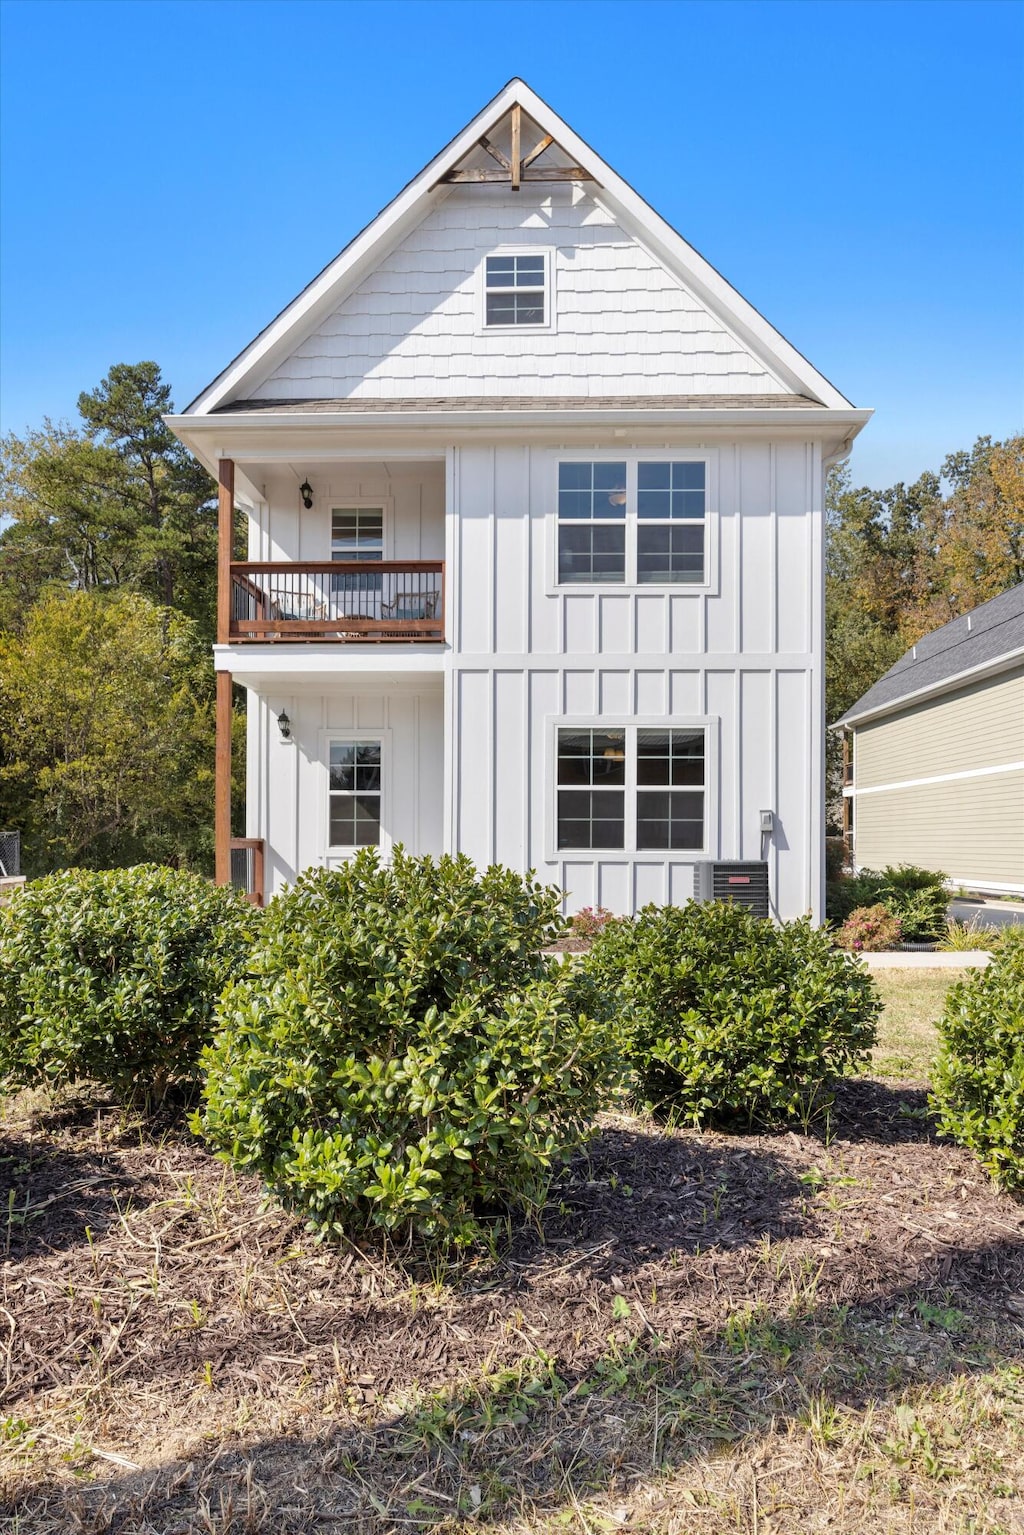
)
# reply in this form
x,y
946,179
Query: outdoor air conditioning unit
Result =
x,y
746,884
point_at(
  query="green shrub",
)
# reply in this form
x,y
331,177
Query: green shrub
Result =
x,y
837,855
917,896
847,893
868,930
729,1017
113,975
402,1056
979,1076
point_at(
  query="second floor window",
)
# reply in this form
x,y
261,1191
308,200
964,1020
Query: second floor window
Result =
x,y
637,524
515,290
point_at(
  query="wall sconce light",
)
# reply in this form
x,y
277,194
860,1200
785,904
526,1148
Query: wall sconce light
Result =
x,y
284,725
306,492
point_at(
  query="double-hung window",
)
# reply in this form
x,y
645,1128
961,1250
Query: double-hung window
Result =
x,y
670,507
354,793
515,290
633,789
591,523
640,522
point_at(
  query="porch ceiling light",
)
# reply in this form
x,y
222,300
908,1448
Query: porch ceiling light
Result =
x,y
284,725
306,492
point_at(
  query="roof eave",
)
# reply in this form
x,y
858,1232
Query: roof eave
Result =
x,y
822,420
240,434
950,684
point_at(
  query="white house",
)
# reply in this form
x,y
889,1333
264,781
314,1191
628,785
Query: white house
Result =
x,y
534,566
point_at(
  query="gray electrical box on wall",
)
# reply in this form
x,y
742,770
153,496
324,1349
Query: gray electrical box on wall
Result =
x,y
745,884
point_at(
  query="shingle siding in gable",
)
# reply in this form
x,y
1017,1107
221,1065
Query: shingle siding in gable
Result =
x,y
624,325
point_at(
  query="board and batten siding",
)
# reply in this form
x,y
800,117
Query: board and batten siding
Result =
x,y
911,807
413,497
286,781
624,325
742,654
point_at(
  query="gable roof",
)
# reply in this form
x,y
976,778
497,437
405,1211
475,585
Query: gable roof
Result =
x,y
546,403
975,642
362,254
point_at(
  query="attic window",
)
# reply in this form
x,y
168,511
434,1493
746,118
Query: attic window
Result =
x,y
516,290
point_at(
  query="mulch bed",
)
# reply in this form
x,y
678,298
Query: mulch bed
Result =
x,y
157,1322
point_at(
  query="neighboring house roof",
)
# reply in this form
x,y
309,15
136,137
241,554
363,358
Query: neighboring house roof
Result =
x,y
323,295
977,642
364,404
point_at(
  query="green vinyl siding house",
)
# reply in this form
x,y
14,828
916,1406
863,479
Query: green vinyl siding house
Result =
x,y
935,754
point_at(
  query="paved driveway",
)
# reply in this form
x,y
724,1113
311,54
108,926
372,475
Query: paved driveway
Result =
x,y
988,913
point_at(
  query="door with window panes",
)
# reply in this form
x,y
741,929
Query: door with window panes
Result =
x,y
357,535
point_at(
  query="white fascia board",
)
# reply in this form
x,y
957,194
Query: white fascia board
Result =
x,y
245,434
934,690
259,665
369,247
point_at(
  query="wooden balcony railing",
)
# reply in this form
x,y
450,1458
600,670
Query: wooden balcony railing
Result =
x,y
247,867
347,600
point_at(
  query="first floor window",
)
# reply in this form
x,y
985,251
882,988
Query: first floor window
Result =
x,y
354,790
591,793
631,789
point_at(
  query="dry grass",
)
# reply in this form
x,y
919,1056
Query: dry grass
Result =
x,y
715,1334
907,1038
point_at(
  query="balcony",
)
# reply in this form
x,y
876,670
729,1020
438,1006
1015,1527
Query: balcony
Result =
x,y
247,867
351,601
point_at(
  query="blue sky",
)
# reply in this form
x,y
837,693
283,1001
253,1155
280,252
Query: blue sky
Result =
x,y
173,173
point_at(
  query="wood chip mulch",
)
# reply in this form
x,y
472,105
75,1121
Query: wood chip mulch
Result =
x,y
158,1320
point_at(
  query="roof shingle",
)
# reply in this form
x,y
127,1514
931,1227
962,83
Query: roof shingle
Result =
x,y
363,405
986,634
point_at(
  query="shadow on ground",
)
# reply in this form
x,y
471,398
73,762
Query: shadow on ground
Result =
x,y
687,1293
55,1198
543,1437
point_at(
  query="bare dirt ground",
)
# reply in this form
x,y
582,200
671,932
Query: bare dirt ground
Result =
x,y
710,1333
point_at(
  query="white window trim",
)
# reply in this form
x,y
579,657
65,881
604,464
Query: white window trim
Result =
x,y
383,504
482,327
331,856
709,723
632,457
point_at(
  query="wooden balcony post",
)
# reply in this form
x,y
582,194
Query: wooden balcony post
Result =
x,y
222,783
225,546
222,762
258,875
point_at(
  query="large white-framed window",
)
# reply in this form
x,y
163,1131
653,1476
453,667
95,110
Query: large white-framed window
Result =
x,y
356,799
640,787
637,522
516,290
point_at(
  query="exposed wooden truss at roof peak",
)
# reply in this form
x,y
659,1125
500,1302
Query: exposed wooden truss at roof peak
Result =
x,y
515,167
